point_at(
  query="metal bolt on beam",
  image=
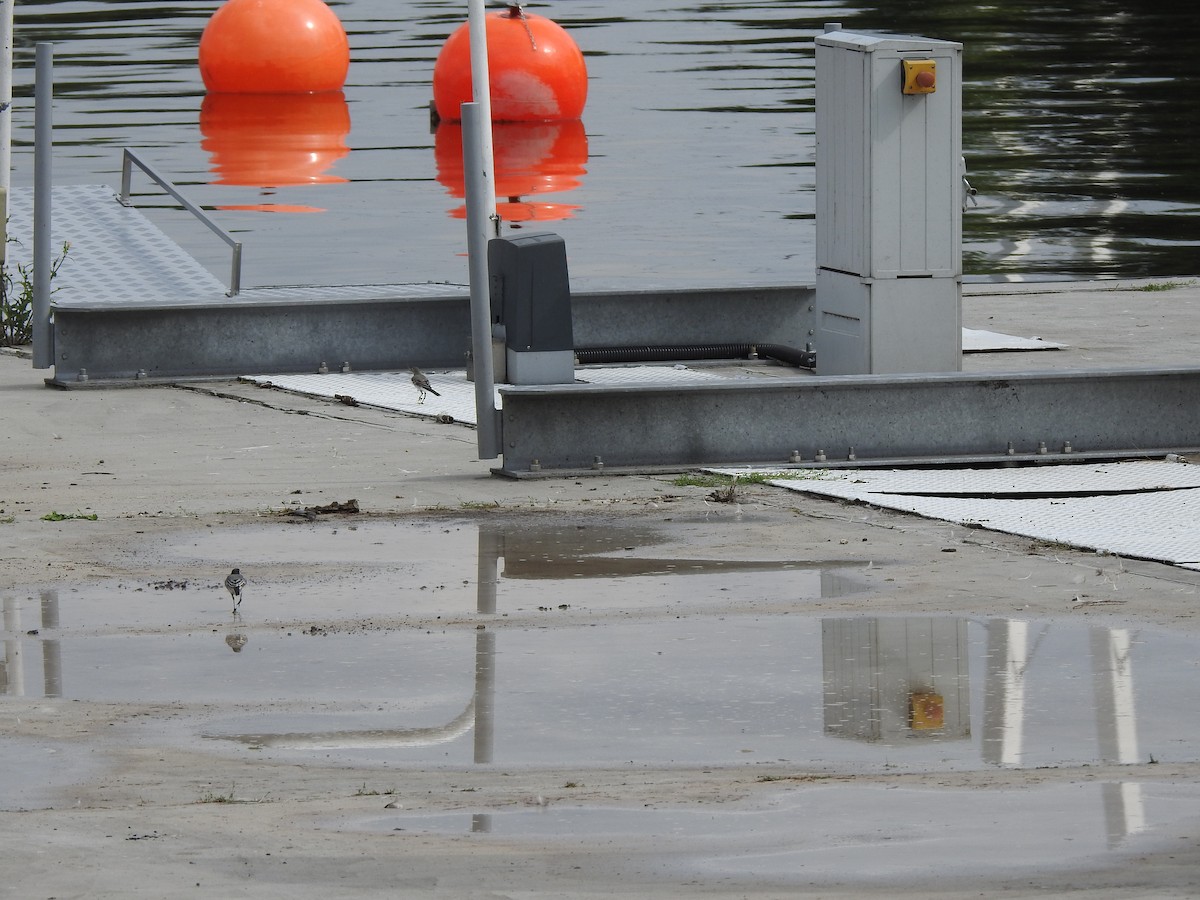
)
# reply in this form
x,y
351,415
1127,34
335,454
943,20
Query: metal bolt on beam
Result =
x,y
141,373
597,463
82,376
323,368
851,455
1067,448
820,457
535,465
346,367
795,457
1011,451
1042,447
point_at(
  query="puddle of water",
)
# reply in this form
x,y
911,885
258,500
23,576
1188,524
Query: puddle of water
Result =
x,y
466,643
374,571
857,693
872,831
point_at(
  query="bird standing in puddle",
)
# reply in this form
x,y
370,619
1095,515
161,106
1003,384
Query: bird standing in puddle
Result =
x,y
422,385
234,582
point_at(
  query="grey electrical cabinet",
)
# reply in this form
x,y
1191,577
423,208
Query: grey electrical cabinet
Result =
x,y
889,204
530,296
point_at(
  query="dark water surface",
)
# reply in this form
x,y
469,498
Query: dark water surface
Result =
x,y
695,161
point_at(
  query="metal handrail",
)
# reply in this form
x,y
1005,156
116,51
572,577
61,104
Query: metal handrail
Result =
x,y
130,159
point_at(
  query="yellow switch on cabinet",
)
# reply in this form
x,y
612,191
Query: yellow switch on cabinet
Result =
x,y
926,712
920,76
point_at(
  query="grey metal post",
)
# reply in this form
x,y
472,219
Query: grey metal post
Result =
x,y
6,66
43,151
480,223
481,92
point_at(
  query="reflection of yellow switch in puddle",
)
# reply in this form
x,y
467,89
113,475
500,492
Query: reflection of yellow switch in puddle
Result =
x,y
920,75
926,711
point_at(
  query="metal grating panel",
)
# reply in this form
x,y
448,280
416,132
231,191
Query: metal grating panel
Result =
x,y
1147,509
117,255
120,260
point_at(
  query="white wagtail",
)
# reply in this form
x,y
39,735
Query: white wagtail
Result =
x,y
422,385
234,582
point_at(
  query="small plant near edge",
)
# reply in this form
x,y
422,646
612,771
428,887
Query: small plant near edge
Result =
x,y
16,296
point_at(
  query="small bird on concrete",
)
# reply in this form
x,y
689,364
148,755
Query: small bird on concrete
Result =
x,y
234,582
422,385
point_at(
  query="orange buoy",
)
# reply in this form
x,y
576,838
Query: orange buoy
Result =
x,y
531,158
536,70
273,140
274,47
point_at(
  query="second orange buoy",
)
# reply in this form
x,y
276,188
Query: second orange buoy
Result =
x,y
537,71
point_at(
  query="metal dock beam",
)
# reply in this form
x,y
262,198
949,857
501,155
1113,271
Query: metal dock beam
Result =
x,y
941,417
377,327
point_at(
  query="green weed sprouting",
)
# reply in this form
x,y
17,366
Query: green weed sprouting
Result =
x,y
16,296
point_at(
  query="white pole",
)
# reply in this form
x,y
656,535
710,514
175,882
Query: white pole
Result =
x,y
6,79
482,225
43,183
478,170
481,90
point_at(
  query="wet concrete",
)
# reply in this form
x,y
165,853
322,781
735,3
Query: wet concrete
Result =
x,y
639,690
824,831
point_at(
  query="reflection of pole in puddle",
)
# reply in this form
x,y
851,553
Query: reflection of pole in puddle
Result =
x,y
1116,728
491,548
485,695
51,648
14,673
891,680
1116,723
1004,701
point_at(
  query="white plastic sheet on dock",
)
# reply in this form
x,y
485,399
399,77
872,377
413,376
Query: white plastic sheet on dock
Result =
x,y
1144,509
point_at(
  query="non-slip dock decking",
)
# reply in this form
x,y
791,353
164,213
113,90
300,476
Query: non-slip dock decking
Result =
x,y
130,304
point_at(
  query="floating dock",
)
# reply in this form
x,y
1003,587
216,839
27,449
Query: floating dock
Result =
x,y
130,306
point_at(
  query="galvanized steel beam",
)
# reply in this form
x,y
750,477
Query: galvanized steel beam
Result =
x,y
385,327
777,422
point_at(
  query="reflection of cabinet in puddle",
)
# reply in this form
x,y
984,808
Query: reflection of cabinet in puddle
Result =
x,y
896,679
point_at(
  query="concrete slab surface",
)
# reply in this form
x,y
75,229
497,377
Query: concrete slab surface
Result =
x,y
121,511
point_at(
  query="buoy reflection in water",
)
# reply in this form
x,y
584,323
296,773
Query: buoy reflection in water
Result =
x,y
531,158
275,140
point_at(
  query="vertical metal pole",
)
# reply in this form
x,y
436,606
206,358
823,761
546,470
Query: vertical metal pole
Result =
x,y
43,151
481,94
6,69
478,169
